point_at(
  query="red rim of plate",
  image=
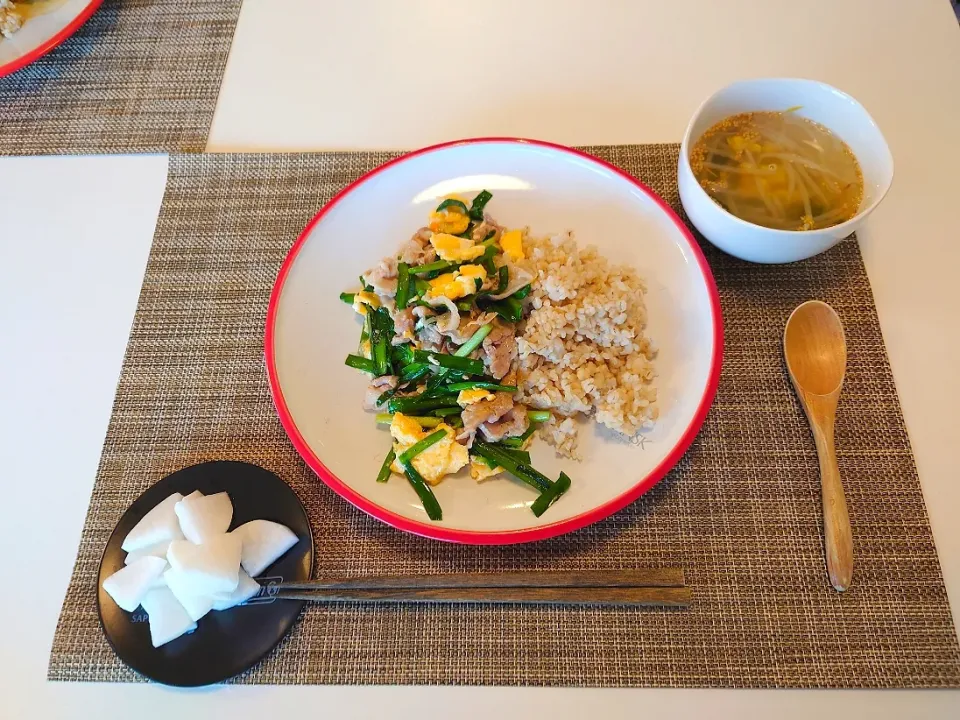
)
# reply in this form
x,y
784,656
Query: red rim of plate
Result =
x,y
506,537
52,42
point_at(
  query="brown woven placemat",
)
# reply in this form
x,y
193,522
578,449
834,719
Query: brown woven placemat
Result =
x,y
740,513
139,76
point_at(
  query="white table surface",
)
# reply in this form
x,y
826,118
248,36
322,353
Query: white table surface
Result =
x,y
302,74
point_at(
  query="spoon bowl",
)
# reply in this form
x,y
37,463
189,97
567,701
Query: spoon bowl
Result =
x,y
815,348
815,351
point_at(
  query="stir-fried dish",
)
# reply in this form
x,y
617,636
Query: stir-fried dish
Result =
x,y
441,320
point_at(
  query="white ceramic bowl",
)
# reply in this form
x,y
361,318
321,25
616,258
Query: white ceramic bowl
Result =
x,y
48,23
309,332
819,102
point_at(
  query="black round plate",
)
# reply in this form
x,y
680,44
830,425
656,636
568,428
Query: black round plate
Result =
x,y
225,643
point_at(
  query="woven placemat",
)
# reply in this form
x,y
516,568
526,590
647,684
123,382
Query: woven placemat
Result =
x,y
740,513
139,76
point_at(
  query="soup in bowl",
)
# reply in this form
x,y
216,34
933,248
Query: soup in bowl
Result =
x,y
779,170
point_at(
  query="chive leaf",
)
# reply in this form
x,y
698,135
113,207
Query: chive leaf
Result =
x,y
384,473
451,202
478,204
549,496
429,500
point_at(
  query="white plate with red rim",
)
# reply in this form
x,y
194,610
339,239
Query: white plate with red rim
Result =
x,y
47,23
549,188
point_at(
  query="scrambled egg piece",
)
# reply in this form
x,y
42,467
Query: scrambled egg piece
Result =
x,y
459,283
440,459
455,249
512,244
477,272
469,397
366,350
479,470
362,299
451,220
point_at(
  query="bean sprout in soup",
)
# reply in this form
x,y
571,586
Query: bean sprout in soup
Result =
x,y
778,170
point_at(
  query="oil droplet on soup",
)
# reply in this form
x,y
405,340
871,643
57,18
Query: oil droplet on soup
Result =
x,y
778,170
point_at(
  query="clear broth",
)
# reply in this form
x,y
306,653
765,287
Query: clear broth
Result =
x,y
778,170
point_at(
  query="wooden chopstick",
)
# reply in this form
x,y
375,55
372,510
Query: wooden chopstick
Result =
x,y
647,577
621,596
659,586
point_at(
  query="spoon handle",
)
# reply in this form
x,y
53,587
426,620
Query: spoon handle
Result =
x,y
837,536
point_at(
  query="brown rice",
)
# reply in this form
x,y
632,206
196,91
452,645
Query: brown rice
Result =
x,y
583,350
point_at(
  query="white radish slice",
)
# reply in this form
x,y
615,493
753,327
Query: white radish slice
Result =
x,y
130,584
195,494
195,604
158,525
246,589
168,619
159,550
204,517
264,542
213,567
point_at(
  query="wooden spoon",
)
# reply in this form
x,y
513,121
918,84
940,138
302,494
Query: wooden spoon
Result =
x,y
816,355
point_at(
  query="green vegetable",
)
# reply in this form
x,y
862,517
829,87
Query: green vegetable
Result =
x,y
450,202
474,342
367,327
386,395
522,292
366,286
364,334
468,347
480,385
402,354
548,497
465,305
517,442
420,287
539,416
522,471
510,309
448,410
413,372
384,473
423,491
380,336
489,463
487,259
455,362
429,441
503,280
427,422
403,284
348,298
520,456
434,267
408,405
478,204
360,363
